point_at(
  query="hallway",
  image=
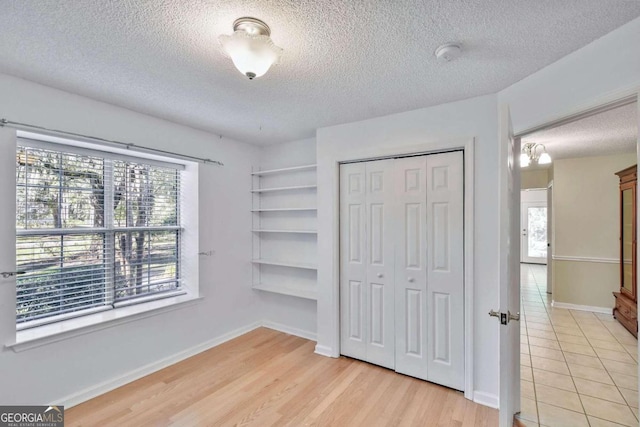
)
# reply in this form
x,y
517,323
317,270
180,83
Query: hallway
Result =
x,y
578,368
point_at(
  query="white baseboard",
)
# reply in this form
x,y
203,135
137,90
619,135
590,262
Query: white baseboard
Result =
x,y
595,309
486,399
323,350
97,390
289,330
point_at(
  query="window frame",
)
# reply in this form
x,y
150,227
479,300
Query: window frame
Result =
x,y
188,244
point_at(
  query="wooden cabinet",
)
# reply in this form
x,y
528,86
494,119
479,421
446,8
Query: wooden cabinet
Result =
x,y
625,310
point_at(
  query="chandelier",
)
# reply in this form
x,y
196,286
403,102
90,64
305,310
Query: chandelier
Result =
x,y
534,153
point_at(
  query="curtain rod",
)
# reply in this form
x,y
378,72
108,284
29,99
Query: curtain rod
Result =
x,y
127,145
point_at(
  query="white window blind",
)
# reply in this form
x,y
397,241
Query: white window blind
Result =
x,y
93,231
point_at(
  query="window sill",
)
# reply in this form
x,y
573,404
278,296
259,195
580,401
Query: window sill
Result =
x,y
47,334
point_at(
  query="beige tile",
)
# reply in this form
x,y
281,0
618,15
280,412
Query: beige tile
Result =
x,y
528,410
556,397
527,390
608,345
605,317
572,339
631,349
543,342
577,348
525,373
619,356
525,359
609,411
551,379
594,374
580,314
630,396
539,326
524,349
595,389
635,412
581,359
625,381
603,336
626,338
623,368
597,422
550,365
541,334
556,417
568,331
546,352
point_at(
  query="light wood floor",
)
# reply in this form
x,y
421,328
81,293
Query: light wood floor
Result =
x,y
269,378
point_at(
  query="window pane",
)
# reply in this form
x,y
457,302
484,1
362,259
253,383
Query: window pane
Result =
x,y
537,238
64,274
146,263
145,196
57,190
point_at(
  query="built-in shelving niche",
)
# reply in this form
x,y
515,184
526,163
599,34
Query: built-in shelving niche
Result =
x,y
284,228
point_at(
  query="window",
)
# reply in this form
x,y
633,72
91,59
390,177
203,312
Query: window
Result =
x,y
94,231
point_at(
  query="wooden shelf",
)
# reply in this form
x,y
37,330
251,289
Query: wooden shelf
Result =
x,y
284,170
284,210
285,231
284,290
297,187
303,265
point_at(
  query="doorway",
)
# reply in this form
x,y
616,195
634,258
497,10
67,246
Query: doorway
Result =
x,y
578,365
402,265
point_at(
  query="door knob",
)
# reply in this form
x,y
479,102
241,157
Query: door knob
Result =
x,y
494,313
379,275
410,279
513,316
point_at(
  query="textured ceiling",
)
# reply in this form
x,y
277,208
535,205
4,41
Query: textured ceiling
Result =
x,y
343,60
611,132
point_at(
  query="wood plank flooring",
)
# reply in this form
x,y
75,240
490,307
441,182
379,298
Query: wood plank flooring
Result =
x,y
268,378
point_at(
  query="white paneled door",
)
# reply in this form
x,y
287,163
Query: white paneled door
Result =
x,y
401,261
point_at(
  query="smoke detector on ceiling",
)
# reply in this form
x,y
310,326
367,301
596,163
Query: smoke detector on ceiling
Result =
x,y
448,52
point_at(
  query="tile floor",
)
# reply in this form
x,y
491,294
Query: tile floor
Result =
x,y
578,368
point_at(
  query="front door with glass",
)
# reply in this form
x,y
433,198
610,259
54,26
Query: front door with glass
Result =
x,y
534,226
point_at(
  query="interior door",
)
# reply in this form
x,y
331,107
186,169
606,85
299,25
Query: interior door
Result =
x,y
534,228
445,269
8,234
509,270
411,267
367,262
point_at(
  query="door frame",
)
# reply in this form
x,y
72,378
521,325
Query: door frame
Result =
x,y
599,104
466,145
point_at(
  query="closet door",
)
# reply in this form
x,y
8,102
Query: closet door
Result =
x,y
445,269
411,266
367,261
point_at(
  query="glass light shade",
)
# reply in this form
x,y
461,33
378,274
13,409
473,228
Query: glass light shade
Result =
x,y
524,160
544,159
252,55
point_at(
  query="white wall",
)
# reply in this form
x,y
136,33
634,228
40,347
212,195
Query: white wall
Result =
x,y
287,312
49,373
474,118
600,71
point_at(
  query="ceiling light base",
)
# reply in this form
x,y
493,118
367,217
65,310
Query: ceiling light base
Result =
x,y
252,26
448,52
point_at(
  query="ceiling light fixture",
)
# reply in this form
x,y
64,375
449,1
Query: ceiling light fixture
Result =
x,y
448,52
530,154
250,47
